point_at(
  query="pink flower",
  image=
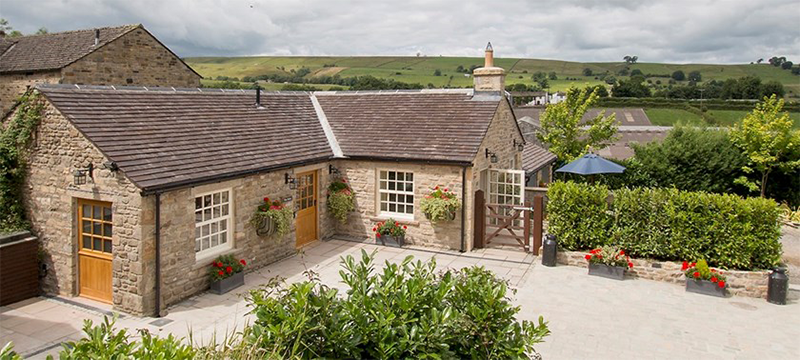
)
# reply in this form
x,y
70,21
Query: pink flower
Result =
x,y
405,227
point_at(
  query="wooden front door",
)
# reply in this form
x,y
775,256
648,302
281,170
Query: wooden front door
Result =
x,y
94,257
307,208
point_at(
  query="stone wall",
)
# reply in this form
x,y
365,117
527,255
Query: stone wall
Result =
x,y
51,200
14,85
363,175
184,275
741,283
135,58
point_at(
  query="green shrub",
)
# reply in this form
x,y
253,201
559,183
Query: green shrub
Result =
x,y
667,224
7,352
408,310
577,214
104,342
341,200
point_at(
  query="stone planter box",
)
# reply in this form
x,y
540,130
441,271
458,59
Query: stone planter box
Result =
x,y
705,287
606,271
391,241
228,283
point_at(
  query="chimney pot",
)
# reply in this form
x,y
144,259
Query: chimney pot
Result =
x,y
96,37
489,77
489,60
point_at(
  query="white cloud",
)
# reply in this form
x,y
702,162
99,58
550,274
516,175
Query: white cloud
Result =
x,y
722,31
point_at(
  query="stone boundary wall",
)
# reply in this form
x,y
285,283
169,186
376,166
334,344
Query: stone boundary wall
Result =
x,y
740,283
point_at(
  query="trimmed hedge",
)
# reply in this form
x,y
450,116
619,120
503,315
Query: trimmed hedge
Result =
x,y
667,224
711,104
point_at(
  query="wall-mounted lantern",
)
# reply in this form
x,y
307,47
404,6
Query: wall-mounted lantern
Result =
x,y
333,170
290,180
520,146
491,156
79,175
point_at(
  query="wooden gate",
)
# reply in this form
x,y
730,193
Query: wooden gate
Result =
x,y
508,224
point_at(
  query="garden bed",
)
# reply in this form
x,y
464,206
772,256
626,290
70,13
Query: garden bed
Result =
x,y
740,283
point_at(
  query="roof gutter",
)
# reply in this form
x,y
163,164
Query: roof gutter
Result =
x,y
411,160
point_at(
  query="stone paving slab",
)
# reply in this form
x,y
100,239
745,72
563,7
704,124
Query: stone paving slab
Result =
x,y
590,317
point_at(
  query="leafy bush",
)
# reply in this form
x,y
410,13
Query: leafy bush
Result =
x,y
577,214
407,311
341,200
7,352
440,204
668,224
104,342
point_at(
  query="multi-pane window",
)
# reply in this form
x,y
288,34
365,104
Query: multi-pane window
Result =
x,y
396,189
96,226
212,217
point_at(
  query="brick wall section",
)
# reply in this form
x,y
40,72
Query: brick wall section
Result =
x,y
135,58
14,85
182,274
740,283
363,175
51,198
19,270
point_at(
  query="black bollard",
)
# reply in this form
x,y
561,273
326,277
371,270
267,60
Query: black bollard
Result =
x,y
778,286
549,251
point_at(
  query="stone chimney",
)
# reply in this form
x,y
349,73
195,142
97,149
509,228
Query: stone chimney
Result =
x,y
489,77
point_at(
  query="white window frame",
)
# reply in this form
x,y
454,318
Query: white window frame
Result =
x,y
394,214
218,249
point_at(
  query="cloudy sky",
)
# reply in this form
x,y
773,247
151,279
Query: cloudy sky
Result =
x,y
726,31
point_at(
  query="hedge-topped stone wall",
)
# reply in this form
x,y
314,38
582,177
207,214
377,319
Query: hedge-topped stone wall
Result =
x,y
740,283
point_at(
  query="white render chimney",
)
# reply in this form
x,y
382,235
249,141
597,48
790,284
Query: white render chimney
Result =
x,y
489,77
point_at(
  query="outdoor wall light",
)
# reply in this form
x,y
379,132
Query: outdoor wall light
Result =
x,y
290,180
491,156
79,175
519,146
333,170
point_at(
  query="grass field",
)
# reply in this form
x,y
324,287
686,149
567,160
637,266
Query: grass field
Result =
x,y
421,69
671,117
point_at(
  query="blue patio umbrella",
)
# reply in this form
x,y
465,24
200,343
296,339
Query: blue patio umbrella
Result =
x,y
591,164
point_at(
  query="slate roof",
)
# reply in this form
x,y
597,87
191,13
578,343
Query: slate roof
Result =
x,y
535,157
410,125
56,50
166,138
163,139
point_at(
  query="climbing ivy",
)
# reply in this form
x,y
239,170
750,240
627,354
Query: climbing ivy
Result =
x,y
15,136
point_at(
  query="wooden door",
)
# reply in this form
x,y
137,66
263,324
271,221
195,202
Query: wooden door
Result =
x,y
94,257
307,208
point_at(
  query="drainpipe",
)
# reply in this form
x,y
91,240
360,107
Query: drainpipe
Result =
x,y
463,209
158,254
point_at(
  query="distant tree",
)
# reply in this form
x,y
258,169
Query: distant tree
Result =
x,y
6,30
623,72
627,59
42,31
460,68
760,61
772,87
538,76
796,70
552,75
472,68
610,79
631,88
543,83
678,75
437,72
635,72
777,61
564,131
765,136
587,72
634,59
601,90
695,76
787,65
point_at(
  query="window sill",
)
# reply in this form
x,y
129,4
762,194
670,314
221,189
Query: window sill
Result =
x,y
410,222
205,259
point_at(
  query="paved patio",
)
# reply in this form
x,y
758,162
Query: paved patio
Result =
x,y
590,318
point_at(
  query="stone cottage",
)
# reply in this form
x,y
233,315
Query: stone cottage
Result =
x,y
123,55
133,191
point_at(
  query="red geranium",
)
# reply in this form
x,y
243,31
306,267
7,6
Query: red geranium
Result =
x,y
243,262
219,264
685,266
721,284
229,269
221,273
696,274
588,257
630,265
405,227
713,279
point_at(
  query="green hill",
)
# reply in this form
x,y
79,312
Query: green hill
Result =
x,y
421,69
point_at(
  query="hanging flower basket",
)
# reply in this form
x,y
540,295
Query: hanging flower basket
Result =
x,y
700,279
272,218
341,200
608,262
440,205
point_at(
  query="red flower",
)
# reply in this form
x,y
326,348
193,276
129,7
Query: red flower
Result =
x,y
713,279
712,270
721,284
630,265
693,264
229,269
244,263
685,266
374,229
696,274
622,252
445,189
221,273
344,181
599,256
266,199
219,264
436,188
405,227
396,224
588,257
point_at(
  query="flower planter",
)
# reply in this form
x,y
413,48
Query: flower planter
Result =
x,y
451,215
606,271
392,241
266,226
227,284
705,287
